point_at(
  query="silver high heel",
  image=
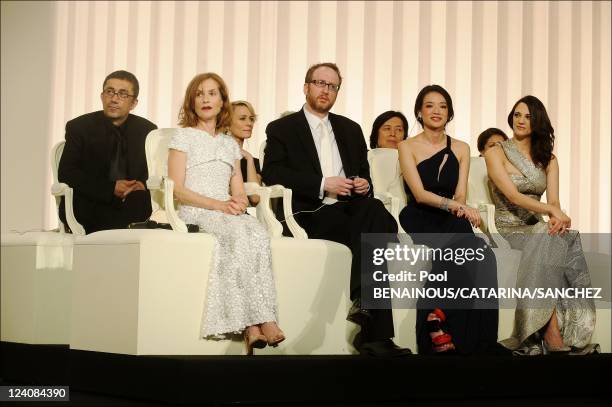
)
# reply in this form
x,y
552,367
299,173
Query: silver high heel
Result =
x,y
554,350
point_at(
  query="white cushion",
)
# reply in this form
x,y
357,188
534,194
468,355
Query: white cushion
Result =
x,y
35,287
143,292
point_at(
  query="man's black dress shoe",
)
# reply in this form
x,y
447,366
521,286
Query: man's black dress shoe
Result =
x,y
358,315
384,348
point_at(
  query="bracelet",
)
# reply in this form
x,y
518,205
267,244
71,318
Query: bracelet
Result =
x,y
444,204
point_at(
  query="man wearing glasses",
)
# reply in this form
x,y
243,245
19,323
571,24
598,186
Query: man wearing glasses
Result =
x,y
104,159
322,157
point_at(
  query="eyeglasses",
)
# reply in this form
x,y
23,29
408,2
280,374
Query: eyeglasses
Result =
x,y
110,92
332,87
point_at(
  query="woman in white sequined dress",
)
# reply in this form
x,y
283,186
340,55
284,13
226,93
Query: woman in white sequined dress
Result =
x,y
204,164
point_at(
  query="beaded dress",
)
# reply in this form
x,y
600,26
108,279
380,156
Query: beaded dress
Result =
x,y
241,288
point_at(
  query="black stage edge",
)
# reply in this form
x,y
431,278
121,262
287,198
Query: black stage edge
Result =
x,y
280,380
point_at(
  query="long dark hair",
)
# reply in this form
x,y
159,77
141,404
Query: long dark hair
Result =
x,y
542,132
380,120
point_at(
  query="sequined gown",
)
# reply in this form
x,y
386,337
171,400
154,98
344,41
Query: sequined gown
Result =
x,y
472,324
546,261
241,288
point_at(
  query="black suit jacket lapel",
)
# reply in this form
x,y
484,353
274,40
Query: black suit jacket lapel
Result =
x,y
343,142
305,136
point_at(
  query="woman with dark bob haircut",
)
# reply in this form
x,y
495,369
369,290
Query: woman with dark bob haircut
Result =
x,y
488,138
435,170
520,171
388,130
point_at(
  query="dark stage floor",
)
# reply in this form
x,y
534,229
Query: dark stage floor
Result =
x,y
110,379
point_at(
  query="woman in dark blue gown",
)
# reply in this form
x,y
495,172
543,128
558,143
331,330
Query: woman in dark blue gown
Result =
x,y
435,170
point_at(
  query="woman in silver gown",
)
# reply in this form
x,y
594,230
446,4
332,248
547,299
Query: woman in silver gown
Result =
x,y
204,164
520,171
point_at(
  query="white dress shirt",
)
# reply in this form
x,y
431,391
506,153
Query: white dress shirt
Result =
x,y
313,123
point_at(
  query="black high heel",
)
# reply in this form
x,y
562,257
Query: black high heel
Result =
x,y
254,341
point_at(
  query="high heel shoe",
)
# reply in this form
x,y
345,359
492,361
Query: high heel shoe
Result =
x,y
254,340
440,340
273,339
554,350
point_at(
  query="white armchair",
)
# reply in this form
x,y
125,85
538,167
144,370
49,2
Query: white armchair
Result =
x,y
60,189
598,263
388,186
162,189
478,196
278,191
387,180
36,274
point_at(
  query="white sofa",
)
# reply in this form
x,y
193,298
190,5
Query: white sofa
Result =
x,y
142,292
36,271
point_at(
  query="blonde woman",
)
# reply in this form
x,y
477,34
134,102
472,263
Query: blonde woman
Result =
x,y
243,120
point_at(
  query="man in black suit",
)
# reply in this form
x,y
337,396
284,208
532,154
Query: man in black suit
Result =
x,y
322,157
104,159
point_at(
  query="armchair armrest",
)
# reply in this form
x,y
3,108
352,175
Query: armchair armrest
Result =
x,y
165,185
487,215
264,211
60,189
391,202
155,182
296,230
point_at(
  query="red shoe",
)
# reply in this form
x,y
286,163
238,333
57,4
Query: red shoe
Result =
x,y
441,341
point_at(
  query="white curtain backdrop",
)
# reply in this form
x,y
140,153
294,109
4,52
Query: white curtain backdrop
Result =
x,y
486,54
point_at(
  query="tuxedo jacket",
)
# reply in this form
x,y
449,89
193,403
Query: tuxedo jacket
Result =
x,y
88,153
291,156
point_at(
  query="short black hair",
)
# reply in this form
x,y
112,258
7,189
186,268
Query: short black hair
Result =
x,y
418,104
486,135
380,120
126,76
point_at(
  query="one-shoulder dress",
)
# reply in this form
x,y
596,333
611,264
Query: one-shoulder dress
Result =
x,y
546,262
472,323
